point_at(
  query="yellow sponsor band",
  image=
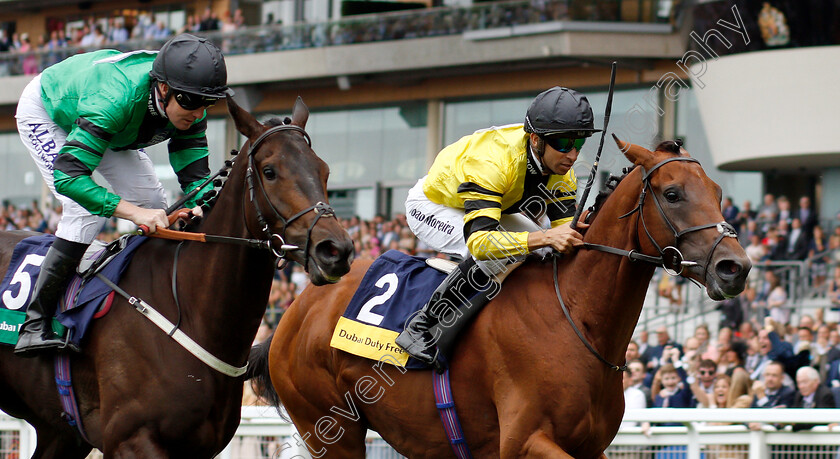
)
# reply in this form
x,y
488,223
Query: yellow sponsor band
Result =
x,y
367,341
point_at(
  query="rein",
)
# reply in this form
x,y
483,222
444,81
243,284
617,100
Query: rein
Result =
x,y
670,258
321,210
572,322
173,330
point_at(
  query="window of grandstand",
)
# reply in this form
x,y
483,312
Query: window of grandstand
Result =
x,y
372,144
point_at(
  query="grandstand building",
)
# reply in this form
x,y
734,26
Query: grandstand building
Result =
x,y
389,89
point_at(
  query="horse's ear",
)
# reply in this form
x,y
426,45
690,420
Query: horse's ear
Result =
x,y
636,154
245,123
300,114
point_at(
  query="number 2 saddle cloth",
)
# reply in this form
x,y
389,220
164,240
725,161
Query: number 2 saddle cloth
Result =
x,y
395,287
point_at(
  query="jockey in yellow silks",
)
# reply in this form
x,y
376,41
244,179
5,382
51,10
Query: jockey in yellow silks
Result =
x,y
488,199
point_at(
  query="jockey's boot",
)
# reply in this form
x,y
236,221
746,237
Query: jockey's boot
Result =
x,y
458,298
36,333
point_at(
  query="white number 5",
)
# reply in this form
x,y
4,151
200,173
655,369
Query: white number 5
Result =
x,y
24,279
365,314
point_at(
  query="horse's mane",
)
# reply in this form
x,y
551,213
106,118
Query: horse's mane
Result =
x,y
669,146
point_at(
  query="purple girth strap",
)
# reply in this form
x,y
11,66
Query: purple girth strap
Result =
x,y
446,407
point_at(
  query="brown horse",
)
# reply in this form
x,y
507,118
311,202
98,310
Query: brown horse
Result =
x,y
142,395
523,382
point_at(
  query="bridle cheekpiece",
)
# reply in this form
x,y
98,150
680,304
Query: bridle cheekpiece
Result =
x,y
321,209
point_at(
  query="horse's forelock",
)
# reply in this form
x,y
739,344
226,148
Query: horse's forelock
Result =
x,y
670,146
275,121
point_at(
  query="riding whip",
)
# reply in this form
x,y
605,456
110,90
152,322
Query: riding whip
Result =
x,y
592,172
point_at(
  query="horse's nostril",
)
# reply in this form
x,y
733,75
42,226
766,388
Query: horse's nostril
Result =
x,y
330,252
728,269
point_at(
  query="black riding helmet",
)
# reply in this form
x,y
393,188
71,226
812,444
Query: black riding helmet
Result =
x,y
560,112
193,65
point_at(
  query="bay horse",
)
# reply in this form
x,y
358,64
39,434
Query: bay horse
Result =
x,y
523,382
142,395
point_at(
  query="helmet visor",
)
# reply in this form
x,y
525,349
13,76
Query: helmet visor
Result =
x,y
565,144
189,101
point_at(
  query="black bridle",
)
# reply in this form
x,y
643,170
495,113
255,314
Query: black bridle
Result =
x,y
321,209
670,258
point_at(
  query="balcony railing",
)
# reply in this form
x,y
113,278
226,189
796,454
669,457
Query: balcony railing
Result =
x,y
431,22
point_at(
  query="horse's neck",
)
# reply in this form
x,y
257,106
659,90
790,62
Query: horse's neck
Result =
x,y
234,279
614,293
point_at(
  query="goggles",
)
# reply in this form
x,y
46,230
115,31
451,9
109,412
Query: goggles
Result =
x,y
189,101
564,144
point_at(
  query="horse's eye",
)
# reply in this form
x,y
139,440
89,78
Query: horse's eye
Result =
x,y
672,196
268,173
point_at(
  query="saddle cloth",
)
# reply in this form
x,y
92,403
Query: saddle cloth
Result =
x,y
79,304
395,287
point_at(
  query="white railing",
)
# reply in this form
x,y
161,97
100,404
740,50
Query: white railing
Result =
x,y
699,437
263,434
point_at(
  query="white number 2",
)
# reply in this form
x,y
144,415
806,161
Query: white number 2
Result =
x,y
365,314
24,279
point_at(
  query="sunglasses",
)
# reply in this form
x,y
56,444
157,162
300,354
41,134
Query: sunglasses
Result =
x,y
565,144
189,101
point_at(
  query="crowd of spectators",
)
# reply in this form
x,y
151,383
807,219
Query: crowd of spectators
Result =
x,y
37,53
776,236
780,23
148,31
764,355
760,365
28,218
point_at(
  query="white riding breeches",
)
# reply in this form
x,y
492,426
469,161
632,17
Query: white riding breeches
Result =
x,y
130,173
442,228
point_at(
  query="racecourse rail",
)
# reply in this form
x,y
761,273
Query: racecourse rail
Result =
x,y
263,434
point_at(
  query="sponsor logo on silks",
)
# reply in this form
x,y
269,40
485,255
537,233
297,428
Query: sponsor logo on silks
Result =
x,y
367,341
431,221
43,143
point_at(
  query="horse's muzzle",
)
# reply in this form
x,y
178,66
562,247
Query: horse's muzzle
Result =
x,y
728,278
331,260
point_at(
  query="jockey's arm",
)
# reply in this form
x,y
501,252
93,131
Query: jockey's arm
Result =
x,y
188,155
561,238
486,239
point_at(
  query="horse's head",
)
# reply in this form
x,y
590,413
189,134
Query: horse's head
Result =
x,y
681,216
288,193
